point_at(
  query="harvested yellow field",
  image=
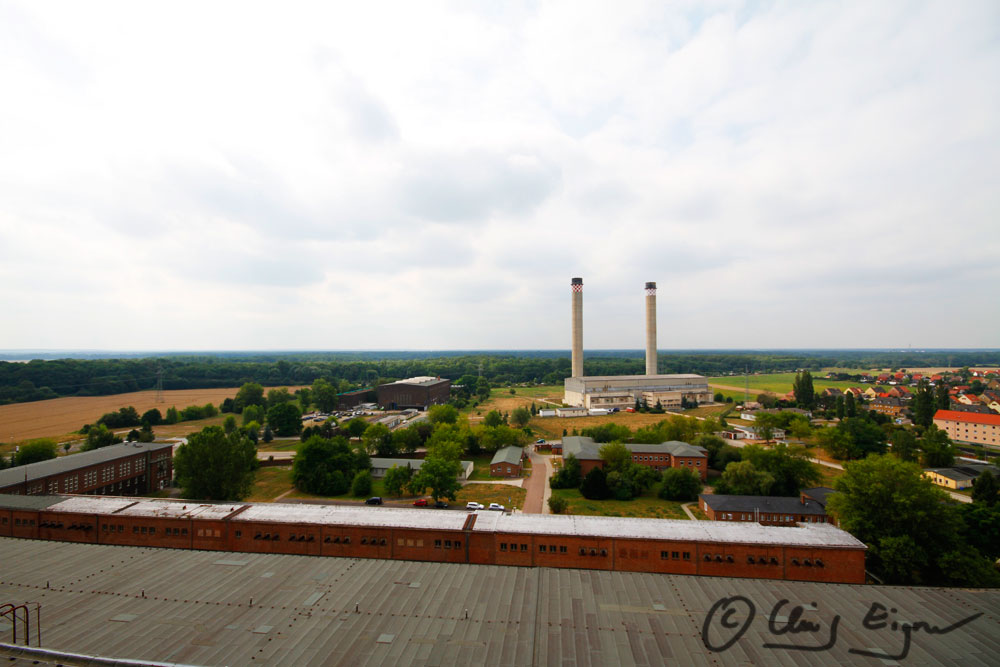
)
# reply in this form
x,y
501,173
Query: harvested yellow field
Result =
x,y
60,417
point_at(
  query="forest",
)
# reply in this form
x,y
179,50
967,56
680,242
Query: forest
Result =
x,y
41,379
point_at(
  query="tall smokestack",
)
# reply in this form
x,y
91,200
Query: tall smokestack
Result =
x,y
577,287
650,328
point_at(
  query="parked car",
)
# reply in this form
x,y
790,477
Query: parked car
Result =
x,y
441,505
540,441
420,502
473,505
375,500
498,507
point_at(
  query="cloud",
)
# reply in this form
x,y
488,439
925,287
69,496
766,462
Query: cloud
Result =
x,y
819,174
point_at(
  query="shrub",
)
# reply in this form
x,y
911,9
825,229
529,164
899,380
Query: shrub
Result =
x,y
558,504
362,484
680,484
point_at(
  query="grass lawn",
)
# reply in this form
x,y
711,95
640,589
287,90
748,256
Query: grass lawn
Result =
x,y
778,383
270,482
646,506
830,475
551,391
701,516
279,445
480,467
506,495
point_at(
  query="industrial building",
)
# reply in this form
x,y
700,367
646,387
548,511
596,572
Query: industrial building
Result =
x,y
416,392
766,510
624,391
807,552
673,454
203,607
130,468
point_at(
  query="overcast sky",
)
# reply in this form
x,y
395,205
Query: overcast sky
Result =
x,y
420,175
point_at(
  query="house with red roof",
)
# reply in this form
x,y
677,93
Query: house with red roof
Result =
x,y
973,427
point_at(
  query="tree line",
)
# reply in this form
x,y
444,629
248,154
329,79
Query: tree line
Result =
x,y
42,379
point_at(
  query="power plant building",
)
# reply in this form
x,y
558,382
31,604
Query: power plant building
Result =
x,y
624,391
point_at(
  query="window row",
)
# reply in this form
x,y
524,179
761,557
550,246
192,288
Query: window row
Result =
x,y
24,522
551,548
60,524
504,546
448,544
675,555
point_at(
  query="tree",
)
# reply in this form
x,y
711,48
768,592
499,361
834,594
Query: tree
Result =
x,y
939,452
906,522
214,465
406,439
279,396
324,395
569,476
923,404
743,479
850,405
377,440
440,475
493,418
285,419
942,399
841,407
616,456
764,425
152,417
229,424
250,393
805,395
985,489
253,413
326,466
361,486
558,504
396,479
520,417
33,451
356,427
789,468
680,484
904,445
595,485
858,438
99,436
305,398
172,416
442,414
268,434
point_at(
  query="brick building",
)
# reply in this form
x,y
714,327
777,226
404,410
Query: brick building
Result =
x,y
416,392
766,510
130,468
971,427
671,454
806,552
507,462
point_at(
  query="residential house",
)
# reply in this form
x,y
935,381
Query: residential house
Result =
x,y
970,427
507,462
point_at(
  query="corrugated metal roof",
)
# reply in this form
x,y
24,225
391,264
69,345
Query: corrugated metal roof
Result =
x,y
809,535
63,464
209,608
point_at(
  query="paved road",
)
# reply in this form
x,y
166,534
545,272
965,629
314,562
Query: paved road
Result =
x,y
537,485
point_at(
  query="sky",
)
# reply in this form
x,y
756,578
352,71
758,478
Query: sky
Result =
x,y
425,175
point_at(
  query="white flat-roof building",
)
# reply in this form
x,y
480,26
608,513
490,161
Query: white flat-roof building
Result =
x,y
622,391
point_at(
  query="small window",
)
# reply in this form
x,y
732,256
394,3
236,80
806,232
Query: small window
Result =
x,y
382,542
152,530
135,529
524,547
447,544
750,560
364,540
675,555
708,557
400,541
774,561
143,529
437,544
562,549
541,548
604,552
729,559
239,533
458,544
552,548
795,561
663,555
184,531
347,540
819,563
583,552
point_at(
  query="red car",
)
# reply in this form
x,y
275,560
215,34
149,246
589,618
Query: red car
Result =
x,y
420,502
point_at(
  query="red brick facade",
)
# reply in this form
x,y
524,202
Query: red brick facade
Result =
x,y
830,563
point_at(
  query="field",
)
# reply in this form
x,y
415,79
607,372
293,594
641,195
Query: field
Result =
x,y
645,506
505,494
59,417
776,383
552,427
